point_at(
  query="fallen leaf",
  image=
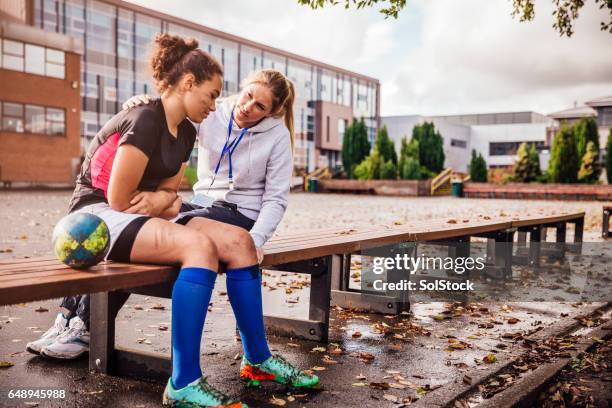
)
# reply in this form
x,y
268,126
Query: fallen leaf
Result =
x,y
6,364
490,358
41,309
356,334
277,401
319,350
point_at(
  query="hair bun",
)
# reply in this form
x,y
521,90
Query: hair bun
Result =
x,y
168,51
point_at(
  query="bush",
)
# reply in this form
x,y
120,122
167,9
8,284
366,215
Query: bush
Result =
x,y
355,146
386,147
478,168
410,169
589,169
527,165
369,168
585,131
564,160
431,146
388,171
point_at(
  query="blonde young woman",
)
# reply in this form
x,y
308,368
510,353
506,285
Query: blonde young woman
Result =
x,y
244,175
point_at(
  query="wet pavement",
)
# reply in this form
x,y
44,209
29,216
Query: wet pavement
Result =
x,y
371,360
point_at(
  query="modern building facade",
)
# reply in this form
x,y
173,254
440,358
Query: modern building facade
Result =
x,y
496,136
40,104
114,66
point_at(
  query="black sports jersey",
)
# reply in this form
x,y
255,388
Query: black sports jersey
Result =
x,y
144,127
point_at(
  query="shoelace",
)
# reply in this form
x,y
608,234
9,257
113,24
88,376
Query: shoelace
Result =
x,y
70,332
209,389
293,372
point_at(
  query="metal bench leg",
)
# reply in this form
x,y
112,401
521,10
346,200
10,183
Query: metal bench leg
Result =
x,y
104,308
316,327
320,294
534,245
576,246
560,242
605,225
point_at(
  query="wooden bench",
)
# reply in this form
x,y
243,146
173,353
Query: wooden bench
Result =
x,y
323,254
605,224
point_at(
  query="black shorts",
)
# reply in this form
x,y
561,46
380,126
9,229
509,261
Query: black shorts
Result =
x,y
221,211
125,242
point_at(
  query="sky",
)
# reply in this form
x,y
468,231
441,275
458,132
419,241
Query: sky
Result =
x,y
440,57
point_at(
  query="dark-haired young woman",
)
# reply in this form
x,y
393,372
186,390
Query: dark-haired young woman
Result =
x,y
130,179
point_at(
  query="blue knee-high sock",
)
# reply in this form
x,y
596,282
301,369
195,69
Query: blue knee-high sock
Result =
x,y
190,298
244,291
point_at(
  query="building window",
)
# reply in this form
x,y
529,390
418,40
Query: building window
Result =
x,y
459,143
12,55
341,127
55,63
510,148
33,59
12,117
19,118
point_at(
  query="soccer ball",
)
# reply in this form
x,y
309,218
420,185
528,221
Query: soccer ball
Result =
x,y
81,240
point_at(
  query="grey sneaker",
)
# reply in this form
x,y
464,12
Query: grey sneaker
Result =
x,y
60,325
72,343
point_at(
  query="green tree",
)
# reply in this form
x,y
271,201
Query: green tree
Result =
x,y
355,146
385,146
478,168
410,169
392,10
527,164
589,169
431,146
347,151
361,143
585,131
388,171
565,12
563,165
369,168
609,157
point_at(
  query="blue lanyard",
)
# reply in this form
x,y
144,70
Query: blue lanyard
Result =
x,y
229,148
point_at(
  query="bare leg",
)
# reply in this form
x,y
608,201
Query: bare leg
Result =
x,y
162,242
235,246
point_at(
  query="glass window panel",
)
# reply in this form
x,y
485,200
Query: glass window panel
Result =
x,y
34,59
12,109
34,119
55,56
13,47
55,70
12,124
56,128
56,115
11,62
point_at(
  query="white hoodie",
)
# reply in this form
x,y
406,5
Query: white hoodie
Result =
x,y
262,166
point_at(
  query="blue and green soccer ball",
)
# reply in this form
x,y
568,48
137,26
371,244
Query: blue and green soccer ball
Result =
x,y
81,240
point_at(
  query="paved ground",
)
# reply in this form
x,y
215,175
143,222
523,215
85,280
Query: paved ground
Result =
x,y
372,360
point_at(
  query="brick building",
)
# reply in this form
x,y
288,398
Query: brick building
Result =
x,y
40,103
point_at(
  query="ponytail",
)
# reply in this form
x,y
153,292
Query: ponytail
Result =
x,y
288,108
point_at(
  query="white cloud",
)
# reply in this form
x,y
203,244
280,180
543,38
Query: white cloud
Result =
x,y
475,58
439,57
